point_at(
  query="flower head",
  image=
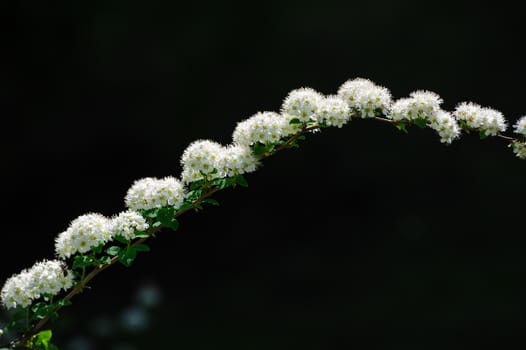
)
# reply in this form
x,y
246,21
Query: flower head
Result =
x,y
200,159
519,148
237,160
446,126
334,111
127,224
149,193
420,105
365,97
520,126
45,278
85,232
264,127
488,120
302,104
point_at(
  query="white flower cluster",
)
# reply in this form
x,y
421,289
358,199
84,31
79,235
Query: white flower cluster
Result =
x,y
127,224
149,193
520,126
490,121
333,111
302,104
365,97
45,278
85,232
420,105
519,148
207,158
264,127
236,160
446,126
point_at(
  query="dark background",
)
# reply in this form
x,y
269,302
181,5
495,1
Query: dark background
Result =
x,y
365,237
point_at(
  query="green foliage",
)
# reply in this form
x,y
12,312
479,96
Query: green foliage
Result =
x,y
83,261
420,122
402,127
44,309
211,201
263,149
165,216
41,341
482,134
295,121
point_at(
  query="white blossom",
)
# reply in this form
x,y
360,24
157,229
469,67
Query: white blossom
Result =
x,y
127,224
264,127
365,97
519,148
149,193
200,159
488,120
334,111
45,278
420,105
302,104
446,126
520,126
237,160
85,232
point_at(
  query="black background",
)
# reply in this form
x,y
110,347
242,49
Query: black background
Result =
x,y
364,234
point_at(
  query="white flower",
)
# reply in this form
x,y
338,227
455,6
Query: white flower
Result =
x,y
493,122
50,277
519,148
45,278
149,193
302,104
16,291
200,159
83,233
471,113
365,97
264,127
520,126
286,128
333,111
127,223
237,160
484,119
446,126
420,105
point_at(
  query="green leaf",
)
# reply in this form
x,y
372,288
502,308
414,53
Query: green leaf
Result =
x,y
166,217
140,234
295,121
63,302
211,201
301,137
141,248
241,181
127,256
105,260
402,127
82,261
41,340
420,122
113,250
121,239
259,149
98,249
186,205
483,134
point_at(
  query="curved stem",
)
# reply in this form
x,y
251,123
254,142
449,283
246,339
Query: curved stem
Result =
x,y
87,278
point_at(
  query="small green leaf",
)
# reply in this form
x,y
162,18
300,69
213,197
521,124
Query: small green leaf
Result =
x,y
483,134
113,250
259,149
241,181
420,122
82,261
63,302
142,248
127,256
295,121
402,127
105,260
301,137
121,239
211,201
140,234
185,206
